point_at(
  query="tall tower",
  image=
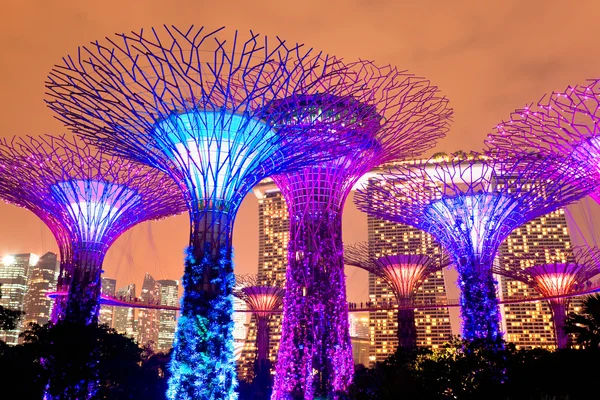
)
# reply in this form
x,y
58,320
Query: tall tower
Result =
x,y
148,323
42,279
433,325
107,313
124,316
167,319
14,272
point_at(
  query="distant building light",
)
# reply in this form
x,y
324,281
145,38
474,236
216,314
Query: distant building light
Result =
x,y
8,260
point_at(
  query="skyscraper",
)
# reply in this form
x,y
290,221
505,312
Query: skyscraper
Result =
x,y
148,322
14,272
544,239
169,295
433,325
109,287
124,317
42,279
240,327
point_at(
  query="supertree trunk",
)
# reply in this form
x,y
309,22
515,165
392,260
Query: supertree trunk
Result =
x,y
407,331
262,339
205,328
559,314
315,332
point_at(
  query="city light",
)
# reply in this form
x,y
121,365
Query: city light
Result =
x,y
8,260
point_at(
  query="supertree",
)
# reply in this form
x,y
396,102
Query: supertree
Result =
x,y
470,205
556,280
193,103
403,273
562,123
397,115
87,198
262,300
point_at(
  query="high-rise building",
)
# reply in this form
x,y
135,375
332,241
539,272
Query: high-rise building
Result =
x,y
433,324
544,239
148,322
240,327
124,317
42,279
14,272
109,288
169,295
359,335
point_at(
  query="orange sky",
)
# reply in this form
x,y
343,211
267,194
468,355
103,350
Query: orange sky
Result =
x,y
488,57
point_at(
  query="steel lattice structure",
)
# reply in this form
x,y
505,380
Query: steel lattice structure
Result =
x,y
262,300
194,104
87,198
559,278
562,123
403,273
397,115
470,206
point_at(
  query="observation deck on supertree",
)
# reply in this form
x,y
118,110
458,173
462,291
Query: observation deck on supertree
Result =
x,y
558,278
470,206
261,299
193,103
403,273
562,123
398,115
87,198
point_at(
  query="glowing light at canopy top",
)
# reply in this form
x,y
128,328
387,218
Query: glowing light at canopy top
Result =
x,y
193,103
87,199
470,206
397,115
403,273
558,278
561,123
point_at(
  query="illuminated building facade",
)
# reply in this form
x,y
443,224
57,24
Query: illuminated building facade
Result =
x,y
433,325
148,324
42,279
169,296
124,320
107,313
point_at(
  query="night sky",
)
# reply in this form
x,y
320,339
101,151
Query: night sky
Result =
x,y
487,57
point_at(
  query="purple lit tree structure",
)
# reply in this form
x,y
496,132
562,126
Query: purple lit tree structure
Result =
x,y
562,123
193,104
397,115
403,273
470,206
557,280
262,300
88,199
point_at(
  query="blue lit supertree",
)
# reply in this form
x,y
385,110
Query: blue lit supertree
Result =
x,y
87,199
470,205
398,115
194,104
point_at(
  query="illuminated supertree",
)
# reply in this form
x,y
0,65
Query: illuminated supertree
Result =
x,y
193,104
398,115
262,300
470,206
562,123
557,280
87,199
403,273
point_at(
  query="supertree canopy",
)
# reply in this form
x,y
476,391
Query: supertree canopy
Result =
x,y
470,205
397,115
562,123
557,280
262,300
194,104
403,273
87,198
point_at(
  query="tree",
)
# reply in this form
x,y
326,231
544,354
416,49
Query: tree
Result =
x,y
586,326
9,319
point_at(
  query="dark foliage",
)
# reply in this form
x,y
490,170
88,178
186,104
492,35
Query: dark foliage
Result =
x,y
585,326
9,319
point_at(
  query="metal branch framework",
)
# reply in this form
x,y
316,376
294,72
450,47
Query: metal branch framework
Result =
x,y
403,273
262,300
195,103
397,115
470,206
561,123
558,278
87,199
